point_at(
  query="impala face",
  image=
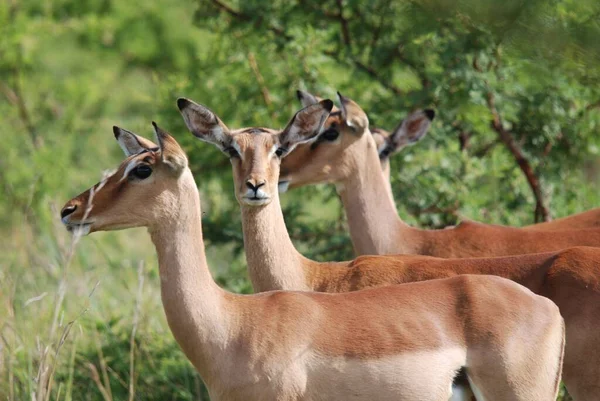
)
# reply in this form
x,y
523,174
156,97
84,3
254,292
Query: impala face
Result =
x,y
140,193
328,158
337,149
255,153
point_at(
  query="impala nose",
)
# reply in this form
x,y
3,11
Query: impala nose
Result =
x,y
67,210
251,185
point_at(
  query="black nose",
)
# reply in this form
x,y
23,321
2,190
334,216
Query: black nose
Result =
x,y
67,210
254,187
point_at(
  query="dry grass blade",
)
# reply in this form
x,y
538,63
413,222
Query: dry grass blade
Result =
x,y
136,316
45,372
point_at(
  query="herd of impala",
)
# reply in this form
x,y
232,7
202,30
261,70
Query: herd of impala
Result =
x,y
476,311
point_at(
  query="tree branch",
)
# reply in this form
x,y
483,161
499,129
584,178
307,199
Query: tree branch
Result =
x,y
541,211
14,97
261,82
343,24
245,17
369,71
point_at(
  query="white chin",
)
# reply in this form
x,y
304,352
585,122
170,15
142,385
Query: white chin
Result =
x,y
256,201
282,186
79,229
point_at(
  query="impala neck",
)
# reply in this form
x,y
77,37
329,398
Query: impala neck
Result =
x,y
375,227
385,169
273,261
193,303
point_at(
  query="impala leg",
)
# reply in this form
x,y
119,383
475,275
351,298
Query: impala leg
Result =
x,y
528,369
581,372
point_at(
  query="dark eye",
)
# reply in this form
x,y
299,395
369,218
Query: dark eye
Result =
x,y
330,135
141,172
384,153
280,151
231,152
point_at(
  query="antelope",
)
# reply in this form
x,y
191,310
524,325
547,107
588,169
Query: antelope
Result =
x,y
375,227
411,130
403,342
570,278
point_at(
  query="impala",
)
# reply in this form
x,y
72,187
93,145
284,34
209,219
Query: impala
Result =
x,y
412,129
570,278
404,342
375,227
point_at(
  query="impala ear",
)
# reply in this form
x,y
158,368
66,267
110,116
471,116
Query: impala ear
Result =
x,y
305,125
353,115
171,153
411,130
203,123
131,143
307,99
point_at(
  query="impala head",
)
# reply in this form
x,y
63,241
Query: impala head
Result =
x,y
343,142
142,191
326,159
255,153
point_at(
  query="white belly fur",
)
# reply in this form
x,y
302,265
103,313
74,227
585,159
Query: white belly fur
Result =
x,y
415,376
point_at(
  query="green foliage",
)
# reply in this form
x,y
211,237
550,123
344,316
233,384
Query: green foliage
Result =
x,y
69,70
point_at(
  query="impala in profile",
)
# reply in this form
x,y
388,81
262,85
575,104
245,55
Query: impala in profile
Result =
x,y
404,342
411,130
353,164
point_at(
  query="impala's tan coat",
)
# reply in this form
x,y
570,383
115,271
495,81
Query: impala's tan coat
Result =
x,y
395,343
571,278
375,227
411,130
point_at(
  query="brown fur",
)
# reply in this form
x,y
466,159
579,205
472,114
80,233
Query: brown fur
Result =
x,y
274,264
307,161
375,228
288,346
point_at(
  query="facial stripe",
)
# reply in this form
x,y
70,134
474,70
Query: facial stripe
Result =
x,y
130,166
273,150
237,148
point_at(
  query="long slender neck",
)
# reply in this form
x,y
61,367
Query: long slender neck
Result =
x,y
194,304
273,261
385,170
375,227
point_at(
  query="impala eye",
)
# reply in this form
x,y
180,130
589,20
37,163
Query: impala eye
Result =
x,y
231,152
330,135
141,172
280,151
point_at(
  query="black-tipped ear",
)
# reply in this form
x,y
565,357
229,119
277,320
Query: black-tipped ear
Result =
x,y
131,143
412,129
353,115
430,114
305,125
203,123
172,154
306,98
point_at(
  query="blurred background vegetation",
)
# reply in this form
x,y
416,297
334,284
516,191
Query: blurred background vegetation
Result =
x,y
87,323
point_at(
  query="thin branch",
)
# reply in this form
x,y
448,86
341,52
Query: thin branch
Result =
x,y
261,81
417,70
14,96
227,9
343,24
245,17
541,211
368,70
485,149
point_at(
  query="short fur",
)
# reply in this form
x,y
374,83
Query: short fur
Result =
x,y
395,343
570,278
